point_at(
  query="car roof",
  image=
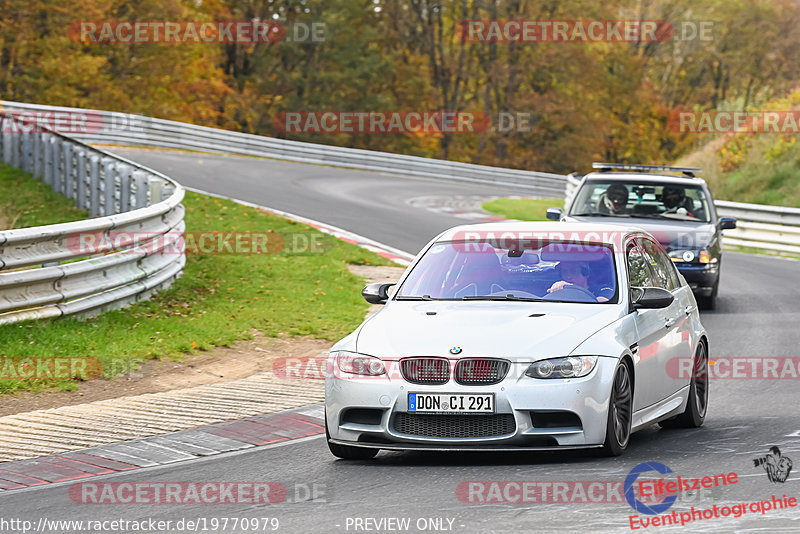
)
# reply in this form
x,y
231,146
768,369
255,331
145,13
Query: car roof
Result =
x,y
600,233
644,177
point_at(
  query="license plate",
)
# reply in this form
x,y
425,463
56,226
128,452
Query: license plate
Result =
x,y
451,402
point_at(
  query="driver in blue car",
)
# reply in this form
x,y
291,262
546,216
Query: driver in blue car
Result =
x,y
575,273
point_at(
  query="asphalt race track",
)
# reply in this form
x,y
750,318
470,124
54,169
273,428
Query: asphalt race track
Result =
x,y
758,316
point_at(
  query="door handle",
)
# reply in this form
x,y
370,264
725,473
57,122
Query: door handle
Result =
x,y
689,310
669,322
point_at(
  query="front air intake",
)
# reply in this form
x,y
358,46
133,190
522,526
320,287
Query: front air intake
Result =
x,y
425,370
480,371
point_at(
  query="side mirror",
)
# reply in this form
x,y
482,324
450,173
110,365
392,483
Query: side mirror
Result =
x,y
727,223
650,298
377,293
554,214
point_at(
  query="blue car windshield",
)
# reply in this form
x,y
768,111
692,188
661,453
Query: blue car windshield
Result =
x,y
554,271
646,200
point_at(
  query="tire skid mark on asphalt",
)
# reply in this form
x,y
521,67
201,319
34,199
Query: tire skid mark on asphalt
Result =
x,y
469,207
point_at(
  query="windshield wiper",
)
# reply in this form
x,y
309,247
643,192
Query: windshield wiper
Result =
x,y
599,215
506,297
679,217
412,297
670,216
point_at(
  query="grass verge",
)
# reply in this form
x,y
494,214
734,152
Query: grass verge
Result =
x,y
523,209
769,253
28,202
219,299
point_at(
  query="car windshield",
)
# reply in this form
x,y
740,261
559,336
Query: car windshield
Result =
x,y
649,200
553,271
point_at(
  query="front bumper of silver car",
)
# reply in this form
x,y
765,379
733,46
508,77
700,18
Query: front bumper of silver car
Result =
x,y
529,413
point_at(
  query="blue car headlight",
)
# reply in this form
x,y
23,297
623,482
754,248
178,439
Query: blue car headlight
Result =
x,y
571,367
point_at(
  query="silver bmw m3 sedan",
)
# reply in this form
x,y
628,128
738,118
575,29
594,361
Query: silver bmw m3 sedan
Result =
x,y
521,336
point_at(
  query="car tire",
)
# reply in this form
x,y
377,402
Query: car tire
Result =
x,y
709,302
697,405
620,412
346,452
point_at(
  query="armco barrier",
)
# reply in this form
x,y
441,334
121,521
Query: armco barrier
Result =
x,y
766,228
43,272
771,228
135,130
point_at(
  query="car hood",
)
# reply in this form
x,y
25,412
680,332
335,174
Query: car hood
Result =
x,y
519,331
671,234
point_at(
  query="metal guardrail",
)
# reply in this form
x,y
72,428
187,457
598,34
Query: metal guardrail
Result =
x,y
56,270
105,127
772,228
766,228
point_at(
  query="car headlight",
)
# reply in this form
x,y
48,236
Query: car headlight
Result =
x,y
571,367
691,256
359,364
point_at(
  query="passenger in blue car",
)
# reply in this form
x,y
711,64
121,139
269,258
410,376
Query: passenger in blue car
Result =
x,y
575,273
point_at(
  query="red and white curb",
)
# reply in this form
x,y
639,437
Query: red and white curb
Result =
x,y
180,446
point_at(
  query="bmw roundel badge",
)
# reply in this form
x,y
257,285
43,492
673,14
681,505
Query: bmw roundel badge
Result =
x,y
455,350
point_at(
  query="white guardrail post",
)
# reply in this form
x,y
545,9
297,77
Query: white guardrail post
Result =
x,y
573,181
84,267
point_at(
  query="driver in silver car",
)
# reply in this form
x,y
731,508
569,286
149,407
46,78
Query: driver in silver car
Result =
x,y
575,273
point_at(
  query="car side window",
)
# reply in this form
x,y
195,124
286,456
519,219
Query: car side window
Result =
x,y
639,274
669,266
660,264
